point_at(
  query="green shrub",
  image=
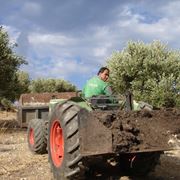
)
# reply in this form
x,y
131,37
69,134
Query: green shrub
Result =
x,y
150,71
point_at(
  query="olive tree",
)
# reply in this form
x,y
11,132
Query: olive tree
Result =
x,y
50,85
9,65
23,83
150,71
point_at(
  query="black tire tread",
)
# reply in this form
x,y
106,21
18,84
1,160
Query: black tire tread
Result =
x,y
74,161
72,173
40,136
67,115
74,147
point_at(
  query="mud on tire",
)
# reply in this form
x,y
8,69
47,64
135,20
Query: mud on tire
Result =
x,y
37,136
65,156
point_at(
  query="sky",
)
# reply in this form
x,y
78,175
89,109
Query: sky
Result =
x,y
72,39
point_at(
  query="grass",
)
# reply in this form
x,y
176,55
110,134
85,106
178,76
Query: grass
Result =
x,y
7,121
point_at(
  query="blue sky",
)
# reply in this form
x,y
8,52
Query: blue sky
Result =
x,y
72,39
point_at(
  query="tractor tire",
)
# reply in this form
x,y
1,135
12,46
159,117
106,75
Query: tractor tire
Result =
x,y
141,164
37,136
64,142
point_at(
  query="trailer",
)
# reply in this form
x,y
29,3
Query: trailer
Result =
x,y
36,106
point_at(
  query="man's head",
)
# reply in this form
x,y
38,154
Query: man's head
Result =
x,y
103,73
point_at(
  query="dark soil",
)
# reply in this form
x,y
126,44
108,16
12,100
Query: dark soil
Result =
x,y
142,130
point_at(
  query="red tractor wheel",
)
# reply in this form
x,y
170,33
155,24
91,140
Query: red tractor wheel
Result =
x,y
31,137
37,136
64,142
57,143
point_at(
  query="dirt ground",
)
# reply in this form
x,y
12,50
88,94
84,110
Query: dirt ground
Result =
x,y
18,163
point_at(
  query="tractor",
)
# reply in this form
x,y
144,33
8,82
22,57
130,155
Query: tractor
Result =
x,y
80,147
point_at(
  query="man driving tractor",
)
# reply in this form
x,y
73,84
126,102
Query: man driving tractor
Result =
x,y
98,85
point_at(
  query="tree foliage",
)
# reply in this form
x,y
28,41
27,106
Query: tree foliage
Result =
x,y
23,82
9,63
150,71
6,104
51,85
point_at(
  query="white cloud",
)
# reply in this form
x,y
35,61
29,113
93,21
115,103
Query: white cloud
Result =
x,y
171,9
68,40
50,39
31,9
94,47
134,25
57,68
100,52
64,68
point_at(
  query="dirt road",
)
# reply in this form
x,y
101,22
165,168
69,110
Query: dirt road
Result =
x,y
18,163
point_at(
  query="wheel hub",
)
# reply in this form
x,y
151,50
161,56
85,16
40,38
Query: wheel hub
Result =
x,y
31,137
57,143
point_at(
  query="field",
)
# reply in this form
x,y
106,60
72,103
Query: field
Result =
x,y
18,163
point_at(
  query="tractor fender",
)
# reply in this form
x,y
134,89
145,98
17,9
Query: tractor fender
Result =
x,y
95,138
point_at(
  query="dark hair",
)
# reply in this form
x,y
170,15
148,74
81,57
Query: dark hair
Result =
x,y
102,69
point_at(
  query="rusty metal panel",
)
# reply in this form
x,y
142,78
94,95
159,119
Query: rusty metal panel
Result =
x,y
95,138
35,99
26,113
43,113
